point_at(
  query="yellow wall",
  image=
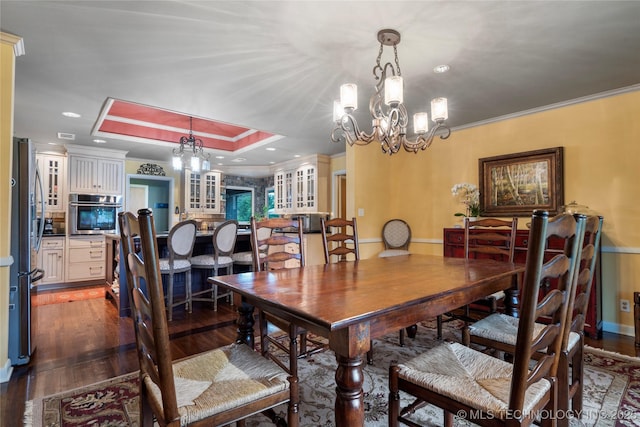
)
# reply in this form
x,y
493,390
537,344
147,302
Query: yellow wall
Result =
x,y
601,152
7,70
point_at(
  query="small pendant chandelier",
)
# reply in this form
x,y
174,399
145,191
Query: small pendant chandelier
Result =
x,y
389,115
198,159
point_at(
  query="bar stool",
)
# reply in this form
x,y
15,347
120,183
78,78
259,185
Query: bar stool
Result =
x,y
180,243
224,240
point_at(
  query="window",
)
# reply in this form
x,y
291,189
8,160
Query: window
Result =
x,y
270,203
239,204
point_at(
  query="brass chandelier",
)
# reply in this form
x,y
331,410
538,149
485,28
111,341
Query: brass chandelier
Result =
x,y
191,147
389,115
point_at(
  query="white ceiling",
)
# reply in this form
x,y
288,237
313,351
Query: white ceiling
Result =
x,y
277,65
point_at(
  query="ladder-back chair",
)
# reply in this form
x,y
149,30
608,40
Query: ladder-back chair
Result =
x,y
490,238
485,389
283,247
216,387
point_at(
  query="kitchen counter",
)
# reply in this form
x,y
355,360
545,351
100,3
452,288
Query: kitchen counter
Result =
x,y
44,236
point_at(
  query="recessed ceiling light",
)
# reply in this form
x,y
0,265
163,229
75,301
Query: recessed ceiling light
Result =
x,y
52,143
219,164
99,141
441,68
296,155
69,136
271,149
239,159
71,114
219,157
272,163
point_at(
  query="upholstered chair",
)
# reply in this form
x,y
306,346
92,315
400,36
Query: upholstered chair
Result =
x,y
182,238
396,236
224,242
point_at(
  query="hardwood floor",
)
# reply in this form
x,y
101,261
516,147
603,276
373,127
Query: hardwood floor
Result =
x,y
83,342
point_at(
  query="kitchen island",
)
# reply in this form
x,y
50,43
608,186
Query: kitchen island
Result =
x,y
116,279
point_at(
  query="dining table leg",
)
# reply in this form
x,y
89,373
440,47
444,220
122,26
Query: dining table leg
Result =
x,y
350,345
511,298
245,325
349,395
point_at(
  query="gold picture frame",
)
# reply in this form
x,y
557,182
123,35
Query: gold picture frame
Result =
x,y
517,184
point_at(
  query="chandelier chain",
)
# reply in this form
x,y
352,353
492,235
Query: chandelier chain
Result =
x,y
395,53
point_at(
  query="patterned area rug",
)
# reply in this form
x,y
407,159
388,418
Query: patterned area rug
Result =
x,y
67,295
612,392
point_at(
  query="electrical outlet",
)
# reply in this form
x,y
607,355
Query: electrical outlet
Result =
x,y
625,306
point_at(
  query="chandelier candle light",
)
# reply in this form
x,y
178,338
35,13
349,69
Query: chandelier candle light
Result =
x,y
389,115
194,147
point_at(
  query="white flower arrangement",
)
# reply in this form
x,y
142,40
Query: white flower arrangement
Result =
x,y
469,196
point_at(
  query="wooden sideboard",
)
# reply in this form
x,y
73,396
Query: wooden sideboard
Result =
x,y
454,247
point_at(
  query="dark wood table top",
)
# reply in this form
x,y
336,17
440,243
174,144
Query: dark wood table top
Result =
x,y
337,295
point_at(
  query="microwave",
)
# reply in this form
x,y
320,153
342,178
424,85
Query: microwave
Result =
x,y
93,213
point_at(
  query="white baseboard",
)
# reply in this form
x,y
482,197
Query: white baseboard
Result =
x,y
5,372
617,328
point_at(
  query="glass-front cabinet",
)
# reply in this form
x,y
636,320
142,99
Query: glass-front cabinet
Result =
x,y
283,191
302,186
53,172
306,188
203,192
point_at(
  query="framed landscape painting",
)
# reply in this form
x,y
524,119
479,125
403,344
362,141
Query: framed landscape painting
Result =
x,y
517,184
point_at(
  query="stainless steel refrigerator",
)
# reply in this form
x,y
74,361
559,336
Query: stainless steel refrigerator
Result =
x,y
26,236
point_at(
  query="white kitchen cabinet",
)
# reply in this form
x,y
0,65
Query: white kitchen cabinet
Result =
x,y
96,176
96,171
306,193
86,258
54,177
283,191
203,192
51,260
302,186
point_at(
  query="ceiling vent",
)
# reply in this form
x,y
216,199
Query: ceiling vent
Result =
x,y
69,136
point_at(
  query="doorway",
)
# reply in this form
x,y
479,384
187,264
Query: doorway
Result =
x,y
339,194
154,192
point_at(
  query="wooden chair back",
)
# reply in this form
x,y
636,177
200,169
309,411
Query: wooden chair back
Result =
x,y
280,247
149,315
555,305
396,234
343,239
585,274
483,240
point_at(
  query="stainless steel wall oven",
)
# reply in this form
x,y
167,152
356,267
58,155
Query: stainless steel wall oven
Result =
x,y
93,214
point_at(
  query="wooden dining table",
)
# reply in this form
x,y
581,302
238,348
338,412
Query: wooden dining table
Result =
x,y
349,303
